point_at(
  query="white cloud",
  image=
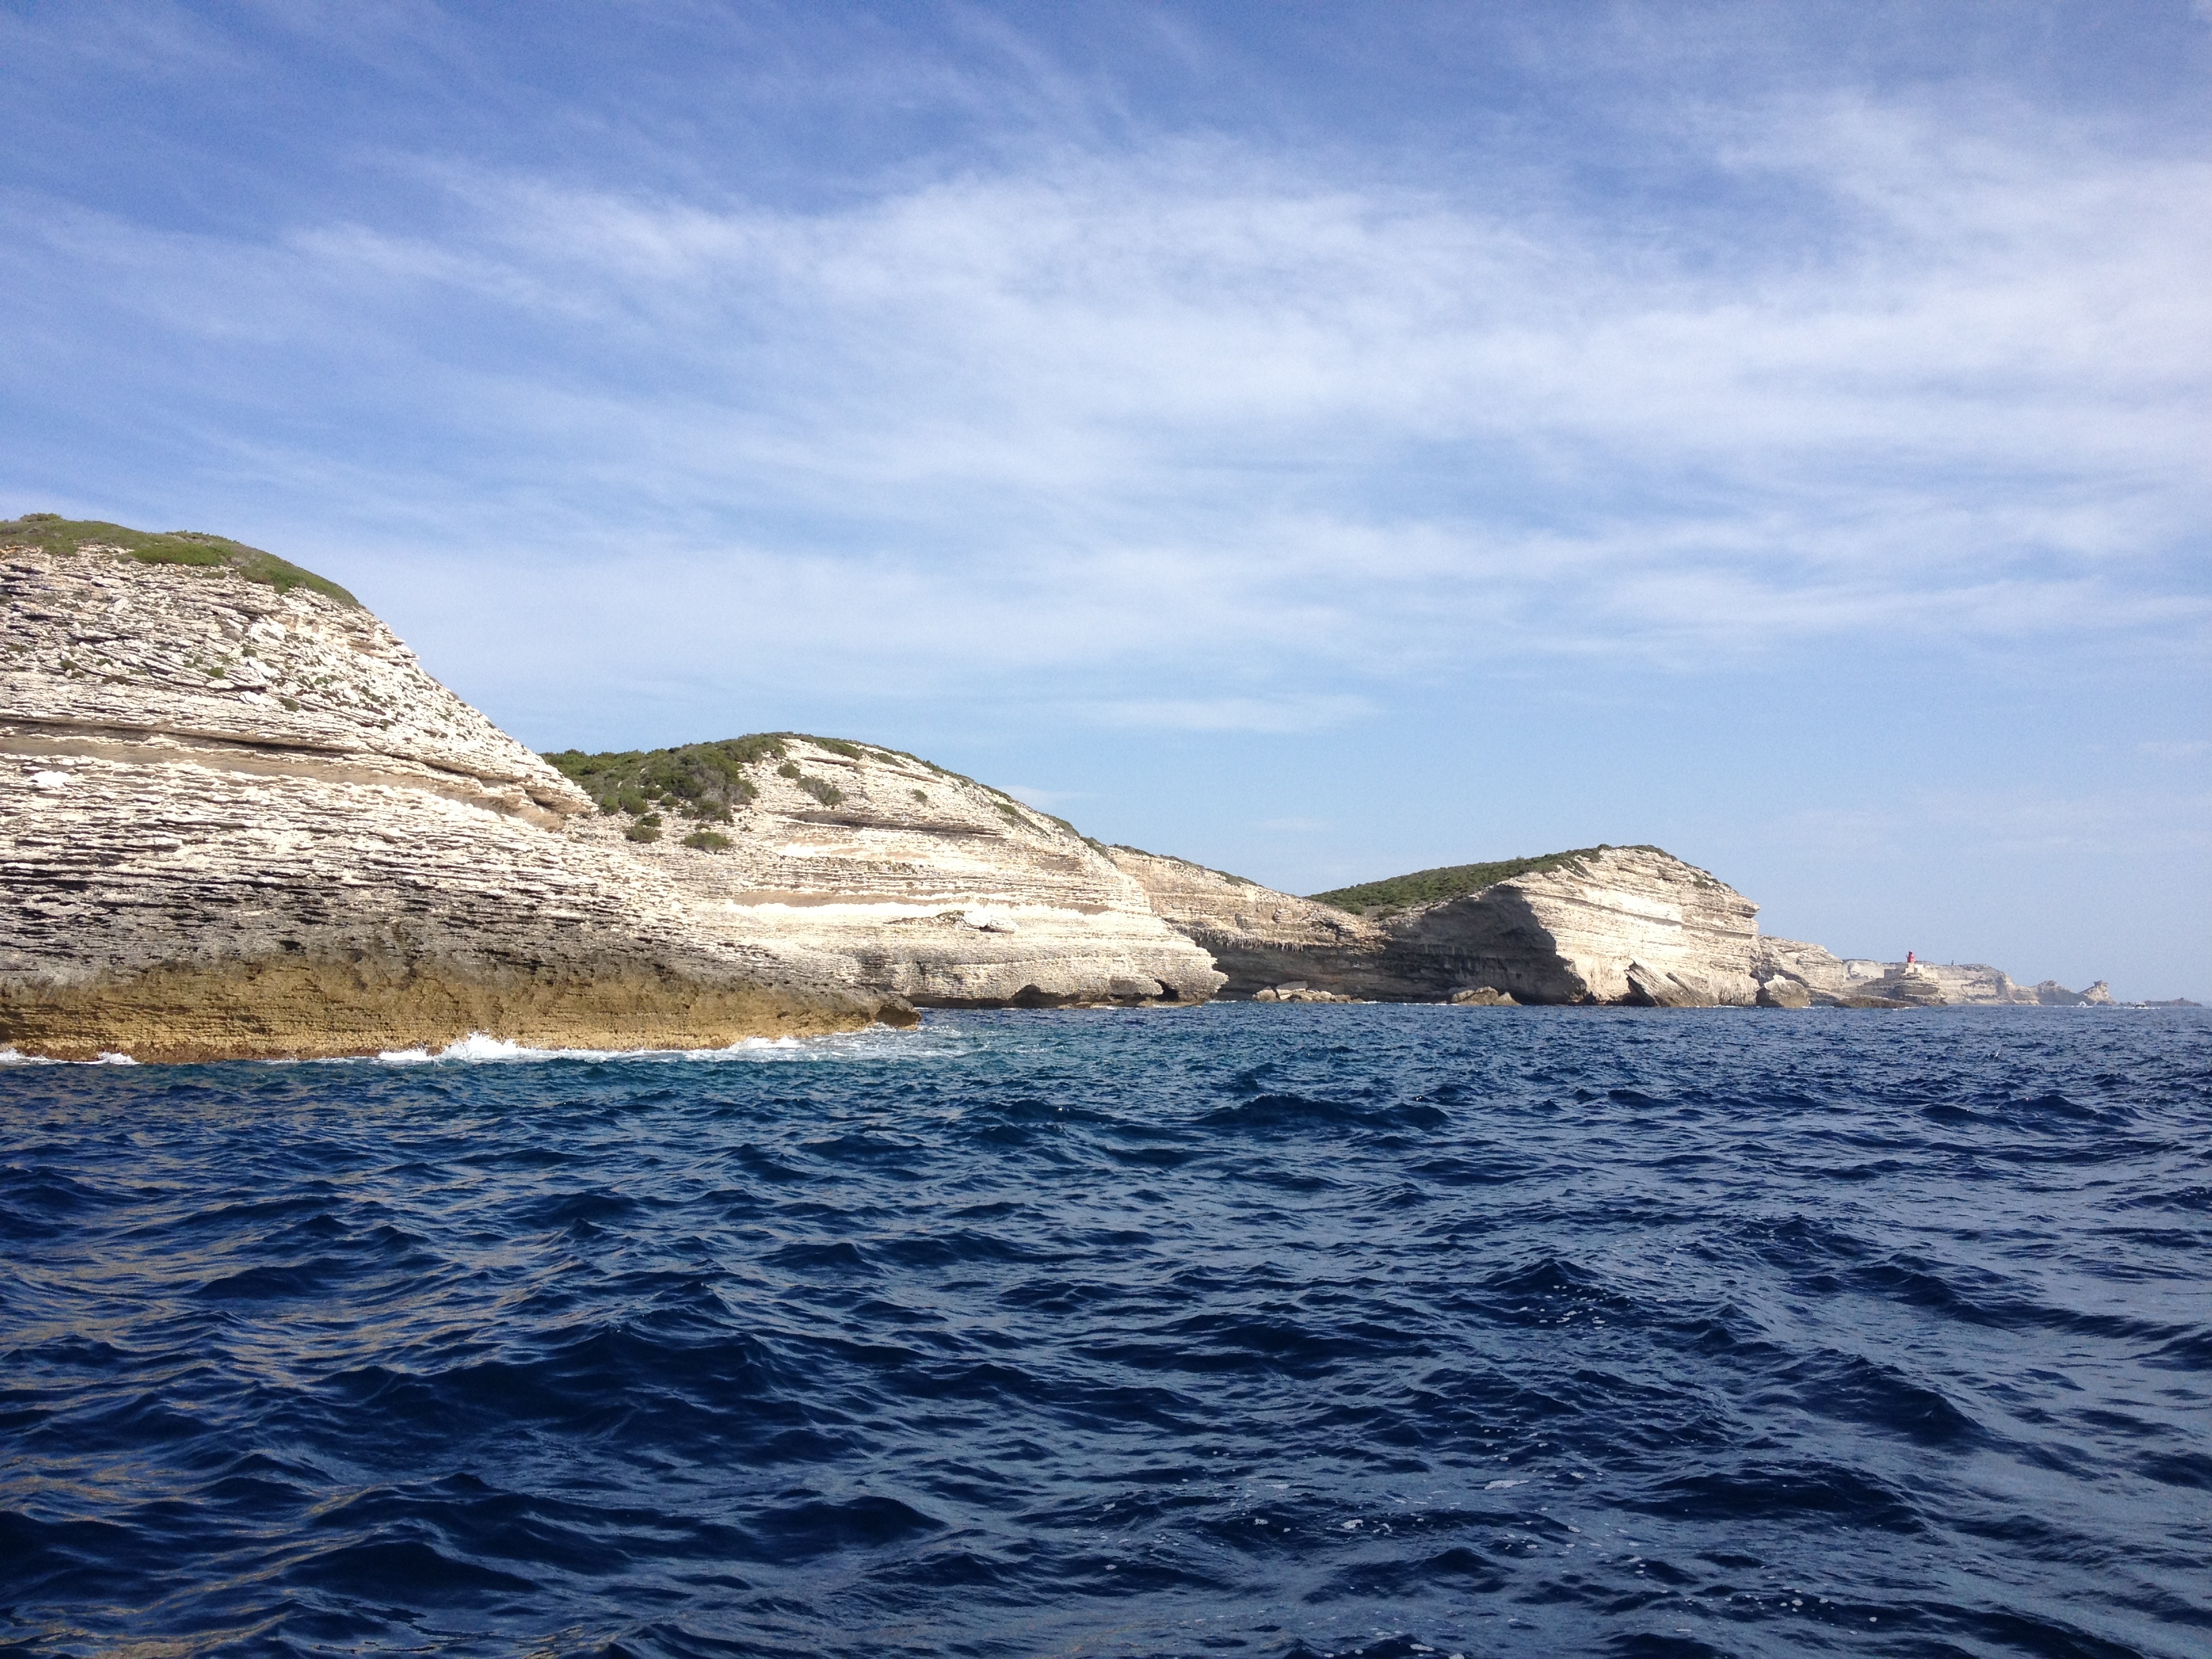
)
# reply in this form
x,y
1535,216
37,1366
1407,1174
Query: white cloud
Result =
x,y
1196,406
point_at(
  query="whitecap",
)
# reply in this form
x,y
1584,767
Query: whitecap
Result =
x,y
876,1042
10,1056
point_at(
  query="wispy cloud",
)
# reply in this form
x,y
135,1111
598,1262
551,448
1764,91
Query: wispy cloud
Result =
x,y
1201,411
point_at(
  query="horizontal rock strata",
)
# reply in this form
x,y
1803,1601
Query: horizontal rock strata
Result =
x,y
240,820
946,892
1612,925
1795,974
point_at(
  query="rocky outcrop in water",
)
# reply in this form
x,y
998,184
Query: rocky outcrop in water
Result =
x,y
1795,974
1605,925
237,818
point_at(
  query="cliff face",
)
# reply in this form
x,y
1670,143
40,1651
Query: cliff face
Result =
x,y
1621,924
1793,974
944,891
237,818
1259,938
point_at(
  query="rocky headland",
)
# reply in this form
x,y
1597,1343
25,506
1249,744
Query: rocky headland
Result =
x,y
1601,925
1795,975
238,819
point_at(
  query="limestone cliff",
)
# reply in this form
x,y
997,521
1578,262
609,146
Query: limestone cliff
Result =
x,y
237,818
1602,925
946,892
1793,974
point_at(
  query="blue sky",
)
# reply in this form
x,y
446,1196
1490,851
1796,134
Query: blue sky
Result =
x,y
1320,440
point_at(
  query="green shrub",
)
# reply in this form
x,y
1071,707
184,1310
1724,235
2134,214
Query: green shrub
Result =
x,y
823,790
650,821
641,831
630,802
919,794
788,769
1450,882
51,531
707,841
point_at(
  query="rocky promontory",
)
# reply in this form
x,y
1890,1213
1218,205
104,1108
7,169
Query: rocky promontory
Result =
x,y
1599,925
237,818
1795,974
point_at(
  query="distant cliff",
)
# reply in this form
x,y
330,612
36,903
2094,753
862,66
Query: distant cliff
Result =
x,y
1795,974
1601,925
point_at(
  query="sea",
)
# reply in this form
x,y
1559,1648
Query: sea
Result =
x,y
1238,1329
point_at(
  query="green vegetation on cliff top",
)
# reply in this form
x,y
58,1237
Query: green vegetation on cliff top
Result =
x,y
53,533
706,780
1452,881
702,781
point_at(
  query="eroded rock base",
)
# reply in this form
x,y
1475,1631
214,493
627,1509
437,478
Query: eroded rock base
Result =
x,y
290,1009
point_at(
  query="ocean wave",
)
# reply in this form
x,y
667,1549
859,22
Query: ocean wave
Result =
x,y
479,1048
1349,1330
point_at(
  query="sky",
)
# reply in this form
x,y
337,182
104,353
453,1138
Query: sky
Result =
x,y
1319,441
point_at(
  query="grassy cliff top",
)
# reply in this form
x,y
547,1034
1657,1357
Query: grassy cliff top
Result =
x,y
703,781
54,533
707,781
1452,881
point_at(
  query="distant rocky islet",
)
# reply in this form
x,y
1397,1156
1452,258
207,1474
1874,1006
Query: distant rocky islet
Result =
x,y
238,819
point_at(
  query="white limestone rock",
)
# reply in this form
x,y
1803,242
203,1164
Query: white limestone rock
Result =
x,y
948,893
1613,925
1821,979
238,821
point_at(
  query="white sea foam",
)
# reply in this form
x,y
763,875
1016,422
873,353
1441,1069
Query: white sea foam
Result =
x,y
877,1042
9,1057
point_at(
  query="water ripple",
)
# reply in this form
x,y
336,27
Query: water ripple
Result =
x,y
1289,1331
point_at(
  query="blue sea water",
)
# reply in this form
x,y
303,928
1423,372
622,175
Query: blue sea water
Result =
x,y
1269,1330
